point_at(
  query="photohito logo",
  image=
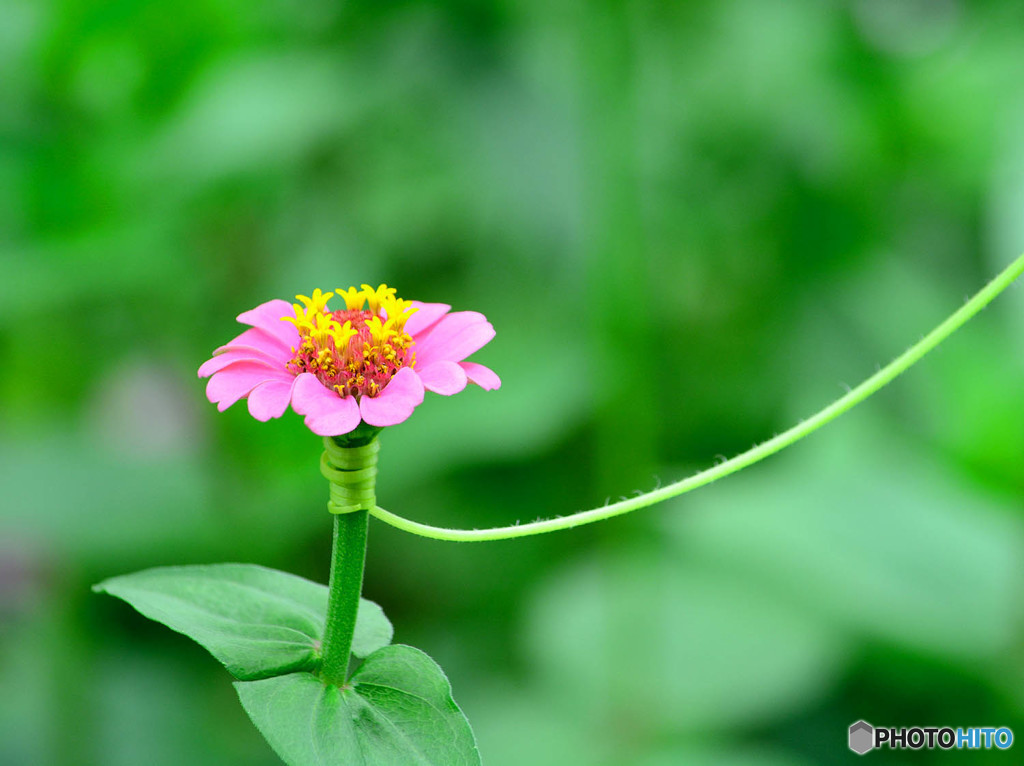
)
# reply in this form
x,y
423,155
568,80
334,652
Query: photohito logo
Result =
x,y
865,737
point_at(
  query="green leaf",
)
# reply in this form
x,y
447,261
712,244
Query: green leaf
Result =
x,y
373,630
258,622
397,710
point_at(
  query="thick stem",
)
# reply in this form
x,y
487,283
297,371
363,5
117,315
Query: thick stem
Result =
x,y
349,463
346,584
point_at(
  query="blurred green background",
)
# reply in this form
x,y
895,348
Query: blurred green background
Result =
x,y
691,224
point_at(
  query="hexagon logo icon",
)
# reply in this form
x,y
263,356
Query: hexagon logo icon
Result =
x,y
862,737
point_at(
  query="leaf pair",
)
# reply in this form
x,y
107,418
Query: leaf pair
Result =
x,y
266,627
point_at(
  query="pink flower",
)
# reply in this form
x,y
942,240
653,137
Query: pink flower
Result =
x,y
370,361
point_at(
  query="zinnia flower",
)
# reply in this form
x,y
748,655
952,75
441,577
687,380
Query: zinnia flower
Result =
x,y
369,361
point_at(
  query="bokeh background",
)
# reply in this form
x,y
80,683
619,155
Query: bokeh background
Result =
x,y
691,223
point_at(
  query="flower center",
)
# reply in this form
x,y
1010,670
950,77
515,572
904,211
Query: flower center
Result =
x,y
356,350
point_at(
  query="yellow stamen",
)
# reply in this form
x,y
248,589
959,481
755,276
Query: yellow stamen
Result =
x,y
354,299
375,297
324,327
343,334
398,311
301,320
379,330
315,304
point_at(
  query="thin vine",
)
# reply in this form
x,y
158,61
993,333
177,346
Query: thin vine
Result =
x,y
845,403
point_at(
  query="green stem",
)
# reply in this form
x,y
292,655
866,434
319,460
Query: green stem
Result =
x,y
884,376
347,558
349,463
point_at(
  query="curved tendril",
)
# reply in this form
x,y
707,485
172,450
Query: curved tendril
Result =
x,y
846,402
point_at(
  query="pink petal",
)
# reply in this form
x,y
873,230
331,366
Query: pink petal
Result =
x,y
396,402
482,376
267,317
239,378
327,414
235,354
454,338
254,337
425,317
442,377
270,400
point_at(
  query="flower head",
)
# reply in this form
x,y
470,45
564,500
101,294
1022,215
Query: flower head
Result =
x,y
369,361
